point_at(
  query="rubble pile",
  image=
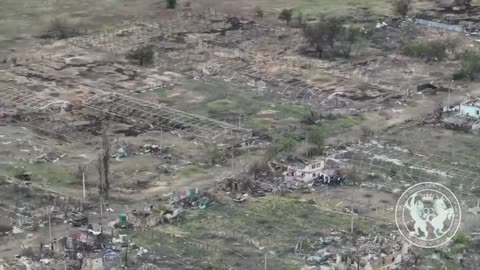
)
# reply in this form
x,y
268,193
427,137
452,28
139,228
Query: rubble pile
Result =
x,y
340,248
244,184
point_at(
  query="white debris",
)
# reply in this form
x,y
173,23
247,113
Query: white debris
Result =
x,y
16,230
391,160
381,25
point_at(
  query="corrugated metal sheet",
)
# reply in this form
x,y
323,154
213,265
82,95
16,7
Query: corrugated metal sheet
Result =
x,y
446,27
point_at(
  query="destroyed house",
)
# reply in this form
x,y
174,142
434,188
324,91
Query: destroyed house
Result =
x,y
305,173
470,109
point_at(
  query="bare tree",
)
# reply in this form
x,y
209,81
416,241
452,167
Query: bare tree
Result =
x,y
103,164
316,35
402,7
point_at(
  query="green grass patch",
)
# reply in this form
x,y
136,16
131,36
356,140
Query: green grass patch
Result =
x,y
191,170
52,173
292,110
256,123
433,50
331,128
337,7
221,105
163,244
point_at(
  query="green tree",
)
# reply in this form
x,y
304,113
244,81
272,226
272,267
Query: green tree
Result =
x,y
347,37
171,4
333,26
316,136
259,13
286,15
316,35
470,60
142,56
60,28
402,7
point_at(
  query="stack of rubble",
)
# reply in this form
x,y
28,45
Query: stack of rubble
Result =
x,y
344,249
244,184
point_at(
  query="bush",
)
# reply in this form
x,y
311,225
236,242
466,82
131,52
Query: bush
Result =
x,y
402,7
62,29
259,12
216,156
461,238
286,15
470,60
171,4
435,50
316,136
299,20
142,56
280,145
348,37
258,168
322,33
331,32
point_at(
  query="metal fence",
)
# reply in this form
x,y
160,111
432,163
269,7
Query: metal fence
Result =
x,y
445,27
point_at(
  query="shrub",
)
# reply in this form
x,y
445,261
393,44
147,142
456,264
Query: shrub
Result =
x,y
322,33
402,7
62,29
258,168
216,156
331,32
259,13
347,37
299,20
461,238
434,50
142,56
280,145
470,60
316,136
286,15
171,4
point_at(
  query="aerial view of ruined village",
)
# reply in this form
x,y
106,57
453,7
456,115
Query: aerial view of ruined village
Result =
x,y
239,134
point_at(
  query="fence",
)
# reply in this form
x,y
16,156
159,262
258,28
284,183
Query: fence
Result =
x,y
445,27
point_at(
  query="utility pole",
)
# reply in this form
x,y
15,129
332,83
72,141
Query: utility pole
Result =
x,y
126,255
50,226
351,223
83,184
161,138
274,194
101,215
239,119
266,253
232,160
